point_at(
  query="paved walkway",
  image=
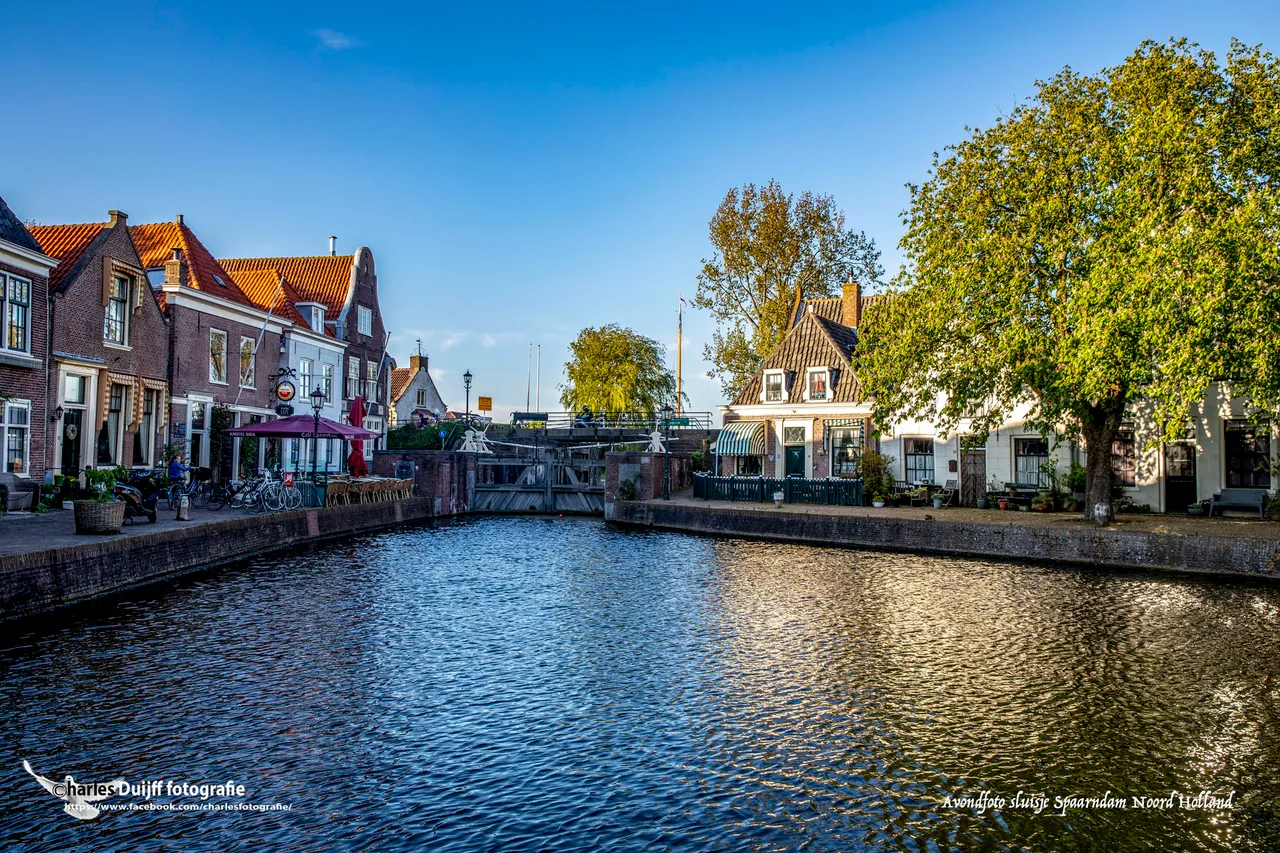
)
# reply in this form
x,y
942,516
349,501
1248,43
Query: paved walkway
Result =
x,y
1177,525
25,532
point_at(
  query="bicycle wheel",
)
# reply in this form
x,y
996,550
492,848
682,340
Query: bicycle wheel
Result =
x,y
173,496
292,497
200,495
273,497
253,501
217,498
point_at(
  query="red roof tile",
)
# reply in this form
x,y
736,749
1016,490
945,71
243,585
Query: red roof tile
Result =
x,y
325,279
66,243
400,377
265,290
156,243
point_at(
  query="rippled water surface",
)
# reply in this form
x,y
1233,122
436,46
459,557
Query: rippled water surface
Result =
x,y
533,684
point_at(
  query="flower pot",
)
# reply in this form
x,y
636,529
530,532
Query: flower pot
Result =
x,y
877,504
982,503
937,503
1002,504
1197,509
96,517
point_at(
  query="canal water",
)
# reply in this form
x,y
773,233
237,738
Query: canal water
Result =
x,y
540,684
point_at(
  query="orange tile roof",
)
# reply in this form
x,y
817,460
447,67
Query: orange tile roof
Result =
x,y
325,279
66,243
400,378
156,242
265,289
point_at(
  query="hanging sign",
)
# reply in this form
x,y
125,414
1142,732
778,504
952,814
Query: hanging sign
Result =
x,y
284,410
285,391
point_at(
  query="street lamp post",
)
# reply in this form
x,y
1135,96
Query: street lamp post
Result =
x,y
466,383
317,403
666,452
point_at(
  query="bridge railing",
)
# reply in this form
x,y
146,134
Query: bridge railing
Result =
x,y
831,491
631,421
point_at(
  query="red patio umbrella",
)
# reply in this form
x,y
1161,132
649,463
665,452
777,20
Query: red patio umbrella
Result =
x,y
355,462
303,426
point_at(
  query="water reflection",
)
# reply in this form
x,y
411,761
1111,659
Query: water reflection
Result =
x,y
560,685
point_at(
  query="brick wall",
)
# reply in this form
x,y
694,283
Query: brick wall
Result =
x,y
646,471
367,347
29,383
443,475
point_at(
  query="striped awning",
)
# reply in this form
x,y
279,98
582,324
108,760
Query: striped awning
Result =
x,y
741,438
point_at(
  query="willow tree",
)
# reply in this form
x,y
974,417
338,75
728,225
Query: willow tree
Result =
x,y
613,369
772,249
1112,240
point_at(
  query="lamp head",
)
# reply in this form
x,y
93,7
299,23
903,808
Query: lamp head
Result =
x,y
317,399
466,379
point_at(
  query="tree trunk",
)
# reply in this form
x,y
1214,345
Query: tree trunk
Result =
x,y
1100,427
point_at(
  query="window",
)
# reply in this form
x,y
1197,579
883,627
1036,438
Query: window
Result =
x,y
1028,455
317,319
218,356
115,426
1123,459
328,383
818,385
1248,448
16,430
748,466
304,378
147,427
353,377
793,435
364,319
918,453
115,329
17,314
846,447
73,389
246,362
371,381
422,397
773,390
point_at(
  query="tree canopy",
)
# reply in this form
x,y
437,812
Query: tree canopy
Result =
x,y
614,369
1113,239
772,249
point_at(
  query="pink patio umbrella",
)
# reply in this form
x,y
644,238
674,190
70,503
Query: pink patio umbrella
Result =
x,y
304,426
355,462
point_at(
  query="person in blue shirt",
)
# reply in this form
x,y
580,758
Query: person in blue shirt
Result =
x,y
177,470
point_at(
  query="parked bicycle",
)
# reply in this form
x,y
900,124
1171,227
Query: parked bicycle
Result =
x,y
201,491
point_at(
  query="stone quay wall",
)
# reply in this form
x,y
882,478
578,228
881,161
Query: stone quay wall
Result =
x,y
1219,555
39,581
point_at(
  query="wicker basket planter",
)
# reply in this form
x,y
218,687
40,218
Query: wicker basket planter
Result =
x,y
97,517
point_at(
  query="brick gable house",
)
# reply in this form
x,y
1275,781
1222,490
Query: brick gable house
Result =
x,y
803,414
222,348
346,288
24,350
109,350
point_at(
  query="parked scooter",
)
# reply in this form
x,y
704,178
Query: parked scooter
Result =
x,y
139,495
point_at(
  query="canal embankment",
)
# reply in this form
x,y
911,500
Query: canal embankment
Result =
x,y
57,568
1203,546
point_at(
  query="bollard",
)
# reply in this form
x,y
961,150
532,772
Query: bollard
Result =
x,y
183,507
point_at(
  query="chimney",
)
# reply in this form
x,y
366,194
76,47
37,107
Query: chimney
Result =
x,y
175,269
417,362
117,217
178,219
851,303
333,245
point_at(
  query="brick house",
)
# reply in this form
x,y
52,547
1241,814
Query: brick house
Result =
x,y
413,393
803,413
24,349
345,287
109,385
222,348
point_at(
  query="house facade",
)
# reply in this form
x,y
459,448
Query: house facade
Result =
x,y
222,348
414,394
345,289
109,389
804,414
24,349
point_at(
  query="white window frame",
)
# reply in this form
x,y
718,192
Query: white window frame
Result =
x,y
148,430
326,373
364,320
252,384
782,383
353,377
122,424
5,307
226,356
422,397
317,318
304,379
5,426
125,301
826,377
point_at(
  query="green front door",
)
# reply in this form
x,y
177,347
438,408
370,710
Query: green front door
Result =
x,y
795,461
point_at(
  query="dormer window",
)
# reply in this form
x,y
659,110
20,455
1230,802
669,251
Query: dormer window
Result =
x,y
774,386
317,319
818,384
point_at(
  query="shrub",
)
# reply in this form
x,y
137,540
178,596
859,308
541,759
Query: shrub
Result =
x,y
627,490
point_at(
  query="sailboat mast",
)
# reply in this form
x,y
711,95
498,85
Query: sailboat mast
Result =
x,y
680,357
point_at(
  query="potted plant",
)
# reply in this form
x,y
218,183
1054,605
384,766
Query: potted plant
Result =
x,y
1198,508
938,500
1074,481
982,501
101,513
877,501
777,500
1003,502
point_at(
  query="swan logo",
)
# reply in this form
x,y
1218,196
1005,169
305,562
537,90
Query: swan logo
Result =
x,y
78,798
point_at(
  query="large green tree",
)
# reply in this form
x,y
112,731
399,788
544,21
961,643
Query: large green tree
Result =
x,y
613,369
1112,240
772,249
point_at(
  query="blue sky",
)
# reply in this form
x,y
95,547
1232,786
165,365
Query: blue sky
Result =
x,y
524,170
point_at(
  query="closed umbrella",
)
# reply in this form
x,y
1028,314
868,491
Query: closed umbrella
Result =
x,y
355,462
